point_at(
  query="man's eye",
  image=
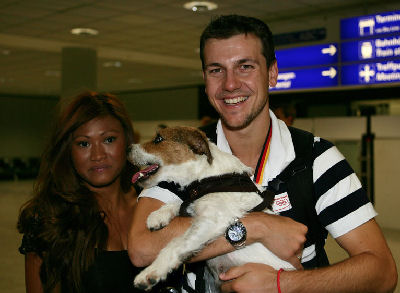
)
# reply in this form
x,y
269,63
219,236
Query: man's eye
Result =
x,y
247,66
110,139
83,144
214,70
158,139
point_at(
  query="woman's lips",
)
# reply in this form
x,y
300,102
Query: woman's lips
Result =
x,y
100,168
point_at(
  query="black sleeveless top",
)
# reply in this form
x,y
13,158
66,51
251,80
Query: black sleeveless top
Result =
x,y
111,271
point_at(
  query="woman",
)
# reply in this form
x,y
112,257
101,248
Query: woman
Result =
x,y
76,225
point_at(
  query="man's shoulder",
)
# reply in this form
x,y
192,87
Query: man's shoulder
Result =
x,y
303,142
299,132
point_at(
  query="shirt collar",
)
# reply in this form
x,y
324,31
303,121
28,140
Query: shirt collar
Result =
x,y
281,148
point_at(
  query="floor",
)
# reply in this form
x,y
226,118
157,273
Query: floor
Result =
x,y
14,193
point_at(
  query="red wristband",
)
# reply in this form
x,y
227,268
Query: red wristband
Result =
x,y
278,283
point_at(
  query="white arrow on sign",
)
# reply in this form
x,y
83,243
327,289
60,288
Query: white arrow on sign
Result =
x,y
331,72
331,50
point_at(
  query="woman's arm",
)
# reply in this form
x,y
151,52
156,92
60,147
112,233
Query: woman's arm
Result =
x,y
33,283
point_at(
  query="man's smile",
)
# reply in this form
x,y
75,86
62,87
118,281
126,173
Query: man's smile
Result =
x,y
235,100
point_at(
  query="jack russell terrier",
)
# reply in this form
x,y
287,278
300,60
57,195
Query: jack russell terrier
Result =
x,y
216,190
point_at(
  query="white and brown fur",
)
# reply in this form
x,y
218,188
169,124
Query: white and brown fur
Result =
x,y
186,155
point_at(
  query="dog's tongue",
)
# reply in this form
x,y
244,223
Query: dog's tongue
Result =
x,y
144,173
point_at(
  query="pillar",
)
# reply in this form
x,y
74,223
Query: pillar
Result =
x,y
79,70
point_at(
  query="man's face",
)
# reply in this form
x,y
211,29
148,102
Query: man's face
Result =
x,y
237,78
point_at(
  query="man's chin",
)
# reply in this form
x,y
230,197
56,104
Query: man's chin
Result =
x,y
235,126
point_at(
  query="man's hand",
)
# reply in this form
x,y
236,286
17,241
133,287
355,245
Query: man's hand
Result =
x,y
281,235
250,277
370,268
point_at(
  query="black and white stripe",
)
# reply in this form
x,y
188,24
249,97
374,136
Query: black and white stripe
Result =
x,y
342,203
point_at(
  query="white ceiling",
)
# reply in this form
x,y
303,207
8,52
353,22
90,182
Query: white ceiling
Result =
x,y
156,41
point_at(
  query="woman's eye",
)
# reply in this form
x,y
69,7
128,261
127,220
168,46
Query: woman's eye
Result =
x,y
83,144
110,139
158,139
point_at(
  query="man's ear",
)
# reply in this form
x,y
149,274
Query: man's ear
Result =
x,y
204,79
273,74
205,83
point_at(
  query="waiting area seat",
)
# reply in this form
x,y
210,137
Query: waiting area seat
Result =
x,y
18,168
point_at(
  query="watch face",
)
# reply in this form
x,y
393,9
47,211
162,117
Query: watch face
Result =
x,y
235,233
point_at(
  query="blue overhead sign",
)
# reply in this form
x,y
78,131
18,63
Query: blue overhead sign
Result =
x,y
307,78
314,55
368,53
371,73
369,49
370,25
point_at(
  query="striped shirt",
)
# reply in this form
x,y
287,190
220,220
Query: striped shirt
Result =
x,y
340,201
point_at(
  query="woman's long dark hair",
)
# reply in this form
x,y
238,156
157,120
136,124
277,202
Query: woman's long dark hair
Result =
x,y
71,223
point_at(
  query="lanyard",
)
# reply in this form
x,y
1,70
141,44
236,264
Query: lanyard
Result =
x,y
262,161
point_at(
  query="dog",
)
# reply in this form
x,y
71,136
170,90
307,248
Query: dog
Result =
x,y
184,157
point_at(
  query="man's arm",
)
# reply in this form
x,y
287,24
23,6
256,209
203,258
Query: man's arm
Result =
x,y
144,245
281,235
369,268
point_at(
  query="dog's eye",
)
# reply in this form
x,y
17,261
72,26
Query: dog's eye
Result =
x,y
158,139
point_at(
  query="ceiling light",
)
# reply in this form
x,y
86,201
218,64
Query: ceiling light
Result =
x,y
84,31
200,6
116,64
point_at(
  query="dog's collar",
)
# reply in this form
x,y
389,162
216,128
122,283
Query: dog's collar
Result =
x,y
231,182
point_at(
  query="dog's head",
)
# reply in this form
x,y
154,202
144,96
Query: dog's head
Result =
x,y
168,151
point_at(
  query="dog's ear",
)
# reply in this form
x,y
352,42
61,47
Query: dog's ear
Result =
x,y
198,143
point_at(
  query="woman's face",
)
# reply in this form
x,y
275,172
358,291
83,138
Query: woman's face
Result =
x,y
99,151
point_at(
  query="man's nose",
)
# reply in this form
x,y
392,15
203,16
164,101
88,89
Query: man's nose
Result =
x,y
232,81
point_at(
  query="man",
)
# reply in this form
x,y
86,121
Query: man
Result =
x,y
239,65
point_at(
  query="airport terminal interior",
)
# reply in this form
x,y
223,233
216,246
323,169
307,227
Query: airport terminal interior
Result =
x,y
344,88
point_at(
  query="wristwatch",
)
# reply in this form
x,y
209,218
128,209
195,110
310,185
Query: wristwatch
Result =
x,y
236,234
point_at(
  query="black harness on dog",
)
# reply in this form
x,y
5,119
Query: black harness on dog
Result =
x,y
231,182
298,177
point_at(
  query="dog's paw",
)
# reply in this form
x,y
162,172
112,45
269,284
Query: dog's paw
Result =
x,y
155,221
161,217
146,280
